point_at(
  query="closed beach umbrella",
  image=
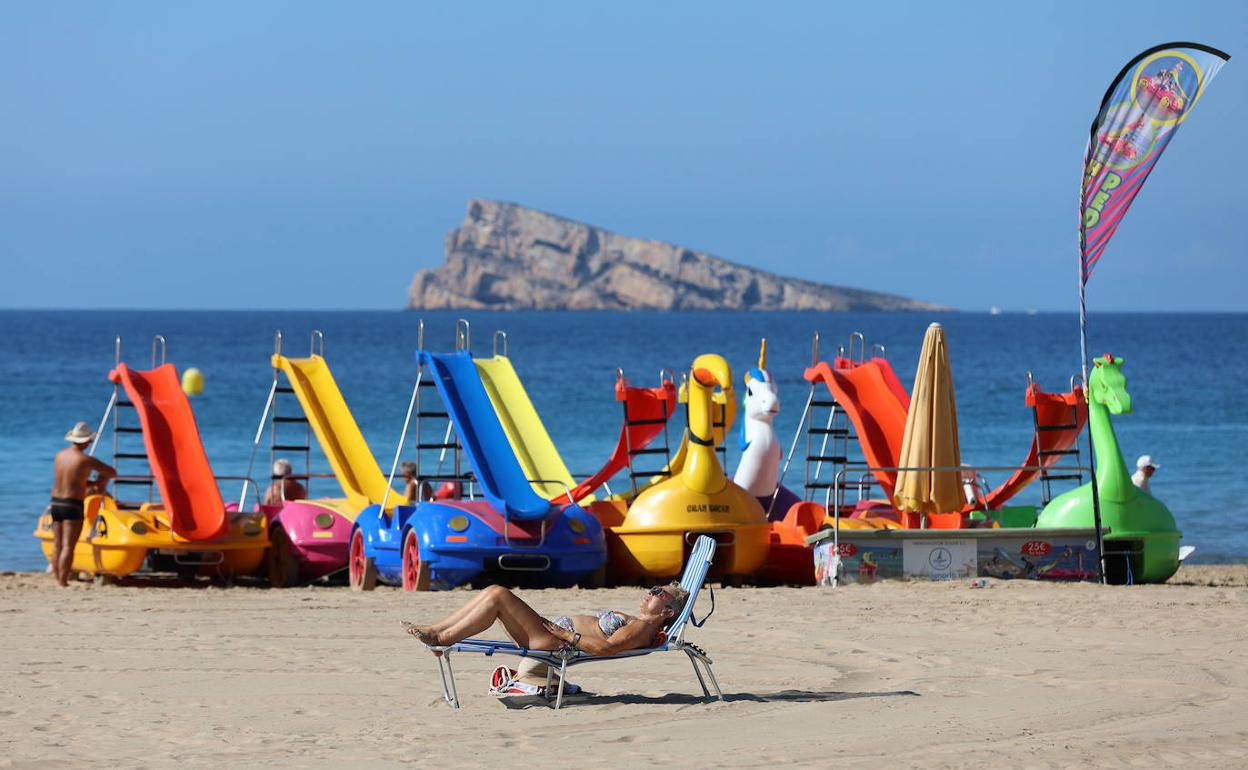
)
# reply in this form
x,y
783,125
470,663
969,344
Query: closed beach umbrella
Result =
x,y
931,437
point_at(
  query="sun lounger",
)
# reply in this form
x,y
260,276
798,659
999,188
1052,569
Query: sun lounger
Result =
x,y
562,659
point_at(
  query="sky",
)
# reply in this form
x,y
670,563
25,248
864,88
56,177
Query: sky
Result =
x,y
314,155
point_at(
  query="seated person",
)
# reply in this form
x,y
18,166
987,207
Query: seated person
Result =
x,y
419,491
603,633
1144,470
283,487
413,490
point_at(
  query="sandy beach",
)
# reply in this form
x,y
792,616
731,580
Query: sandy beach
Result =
x,y
1017,674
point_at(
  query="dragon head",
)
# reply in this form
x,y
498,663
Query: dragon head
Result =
x,y
1108,386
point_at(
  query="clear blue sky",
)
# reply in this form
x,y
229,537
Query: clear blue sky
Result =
x,y
313,155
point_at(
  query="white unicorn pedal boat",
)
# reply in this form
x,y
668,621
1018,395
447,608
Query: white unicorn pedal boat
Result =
x,y
758,471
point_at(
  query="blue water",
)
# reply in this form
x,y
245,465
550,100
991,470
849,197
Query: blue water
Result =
x,y
1186,376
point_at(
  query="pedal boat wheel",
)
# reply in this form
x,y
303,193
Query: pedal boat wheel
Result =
x,y
361,571
415,571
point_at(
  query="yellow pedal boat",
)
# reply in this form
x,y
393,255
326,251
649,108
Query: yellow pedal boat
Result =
x,y
662,521
116,541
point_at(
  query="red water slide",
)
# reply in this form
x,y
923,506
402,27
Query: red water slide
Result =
x,y
1060,418
647,411
174,451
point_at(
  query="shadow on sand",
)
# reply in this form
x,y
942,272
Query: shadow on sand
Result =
x,y
682,699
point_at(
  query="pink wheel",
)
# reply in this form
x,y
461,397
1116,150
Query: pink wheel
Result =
x,y
415,571
361,572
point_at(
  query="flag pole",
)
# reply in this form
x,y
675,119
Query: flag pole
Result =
x,y
1083,367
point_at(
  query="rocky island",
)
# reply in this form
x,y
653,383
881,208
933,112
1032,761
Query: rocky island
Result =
x,y
508,257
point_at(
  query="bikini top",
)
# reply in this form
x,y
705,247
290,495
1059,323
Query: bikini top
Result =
x,y
610,621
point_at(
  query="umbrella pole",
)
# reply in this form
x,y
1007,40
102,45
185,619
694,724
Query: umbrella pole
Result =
x,y
1083,348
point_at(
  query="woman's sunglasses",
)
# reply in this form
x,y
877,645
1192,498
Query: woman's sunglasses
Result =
x,y
657,590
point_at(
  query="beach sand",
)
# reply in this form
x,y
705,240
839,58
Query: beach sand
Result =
x,y
1017,674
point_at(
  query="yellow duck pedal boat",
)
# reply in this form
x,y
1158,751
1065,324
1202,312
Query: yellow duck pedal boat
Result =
x,y
662,521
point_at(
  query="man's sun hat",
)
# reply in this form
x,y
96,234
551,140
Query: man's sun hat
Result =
x,y
80,434
1146,461
281,468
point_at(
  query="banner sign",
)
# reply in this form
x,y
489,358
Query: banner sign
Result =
x,y
1141,111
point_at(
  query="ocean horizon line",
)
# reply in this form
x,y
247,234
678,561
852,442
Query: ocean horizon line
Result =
x,y
650,311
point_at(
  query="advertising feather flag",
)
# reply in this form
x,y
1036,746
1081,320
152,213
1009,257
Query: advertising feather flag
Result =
x,y
1141,112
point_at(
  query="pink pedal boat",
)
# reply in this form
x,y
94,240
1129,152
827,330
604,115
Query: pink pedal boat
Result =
x,y
310,538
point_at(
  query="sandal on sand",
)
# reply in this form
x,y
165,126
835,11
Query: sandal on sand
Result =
x,y
505,681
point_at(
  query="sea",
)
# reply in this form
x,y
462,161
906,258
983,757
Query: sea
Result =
x,y
1186,374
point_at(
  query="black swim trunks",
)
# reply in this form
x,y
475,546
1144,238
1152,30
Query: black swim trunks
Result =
x,y
66,509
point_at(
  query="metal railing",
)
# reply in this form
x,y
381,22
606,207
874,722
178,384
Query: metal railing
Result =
x,y
158,343
407,420
295,476
150,478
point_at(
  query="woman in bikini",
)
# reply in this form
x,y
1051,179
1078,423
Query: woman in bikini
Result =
x,y
603,633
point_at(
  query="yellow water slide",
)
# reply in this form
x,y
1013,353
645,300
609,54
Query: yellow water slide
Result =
x,y
525,432
349,456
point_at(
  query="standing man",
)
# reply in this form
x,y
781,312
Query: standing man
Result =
x,y
71,483
1144,470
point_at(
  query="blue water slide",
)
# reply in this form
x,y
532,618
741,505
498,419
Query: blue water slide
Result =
x,y
498,472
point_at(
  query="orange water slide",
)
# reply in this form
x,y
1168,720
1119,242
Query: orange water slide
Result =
x,y
1055,435
886,371
175,451
874,406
